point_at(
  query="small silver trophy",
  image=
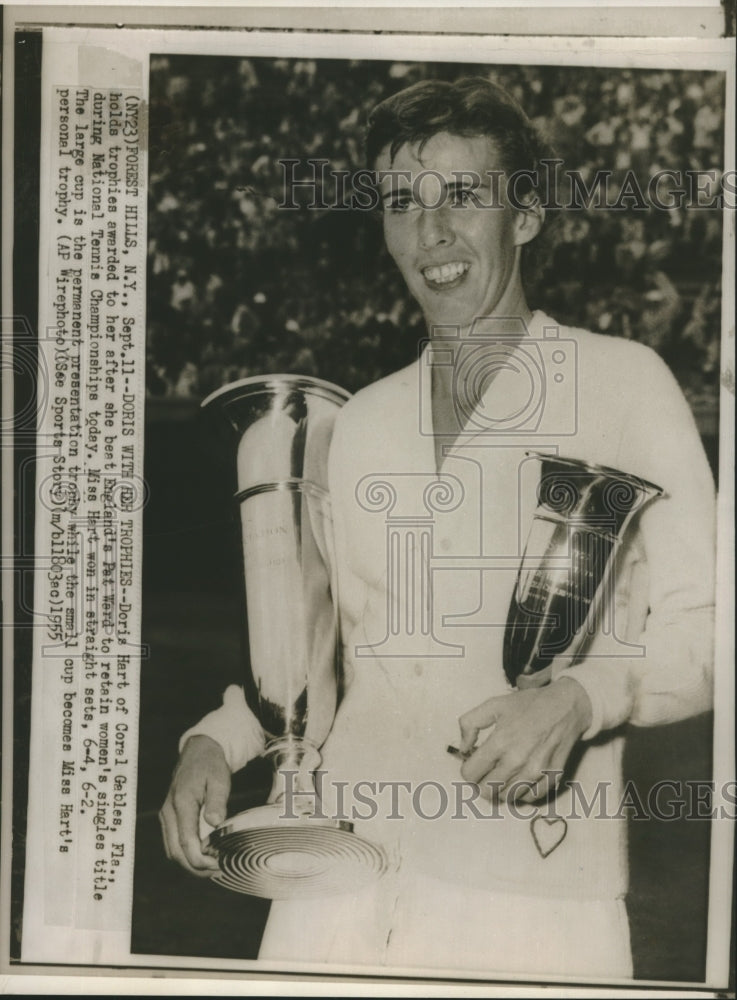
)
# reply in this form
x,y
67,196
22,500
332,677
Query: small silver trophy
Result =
x,y
284,426
582,514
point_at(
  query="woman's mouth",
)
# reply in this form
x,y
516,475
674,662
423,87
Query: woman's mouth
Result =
x,y
443,276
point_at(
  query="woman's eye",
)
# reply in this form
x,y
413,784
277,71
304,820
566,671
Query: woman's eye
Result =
x,y
401,203
463,197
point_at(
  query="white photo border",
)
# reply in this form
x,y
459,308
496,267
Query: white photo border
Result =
x,y
681,53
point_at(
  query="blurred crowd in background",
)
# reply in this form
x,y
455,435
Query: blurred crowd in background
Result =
x,y
239,286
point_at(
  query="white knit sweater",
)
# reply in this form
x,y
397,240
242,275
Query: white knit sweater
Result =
x,y
616,405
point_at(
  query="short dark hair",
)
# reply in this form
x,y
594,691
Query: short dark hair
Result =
x,y
469,107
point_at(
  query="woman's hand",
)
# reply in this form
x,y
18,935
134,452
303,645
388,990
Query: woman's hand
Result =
x,y
200,783
533,734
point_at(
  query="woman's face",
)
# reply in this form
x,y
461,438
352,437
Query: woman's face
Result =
x,y
451,230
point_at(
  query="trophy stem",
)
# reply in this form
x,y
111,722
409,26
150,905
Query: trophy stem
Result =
x,y
293,758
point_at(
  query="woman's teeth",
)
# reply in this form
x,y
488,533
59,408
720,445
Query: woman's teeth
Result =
x,y
442,274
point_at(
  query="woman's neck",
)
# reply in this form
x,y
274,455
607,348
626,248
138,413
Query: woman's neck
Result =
x,y
455,397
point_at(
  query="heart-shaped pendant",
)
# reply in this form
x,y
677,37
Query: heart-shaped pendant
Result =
x,y
548,832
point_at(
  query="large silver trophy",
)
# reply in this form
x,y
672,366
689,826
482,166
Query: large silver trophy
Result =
x,y
283,426
582,515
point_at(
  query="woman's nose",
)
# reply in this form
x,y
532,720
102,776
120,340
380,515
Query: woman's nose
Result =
x,y
435,228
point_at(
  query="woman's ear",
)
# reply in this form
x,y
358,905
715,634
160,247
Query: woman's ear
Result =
x,y
529,219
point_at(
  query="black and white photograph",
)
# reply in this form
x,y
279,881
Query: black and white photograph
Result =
x,y
380,507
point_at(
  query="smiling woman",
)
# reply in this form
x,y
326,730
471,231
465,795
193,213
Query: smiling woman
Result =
x,y
444,155
220,250
424,594
460,262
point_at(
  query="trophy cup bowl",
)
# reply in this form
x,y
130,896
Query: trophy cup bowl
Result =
x,y
582,515
283,425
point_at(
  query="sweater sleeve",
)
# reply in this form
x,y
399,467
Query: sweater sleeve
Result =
x,y
669,674
234,727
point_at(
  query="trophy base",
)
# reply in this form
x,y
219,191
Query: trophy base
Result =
x,y
262,853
